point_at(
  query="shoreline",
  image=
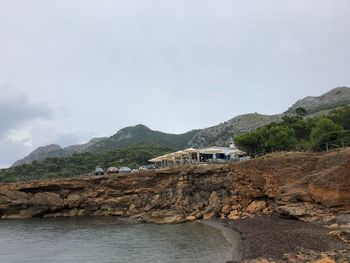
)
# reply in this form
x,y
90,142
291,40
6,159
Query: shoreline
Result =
x,y
274,237
232,236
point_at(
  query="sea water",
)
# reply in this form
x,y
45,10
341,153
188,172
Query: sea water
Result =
x,y
109,239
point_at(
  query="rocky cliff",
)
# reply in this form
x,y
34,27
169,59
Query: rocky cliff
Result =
x,y
223,133
337,97
306,186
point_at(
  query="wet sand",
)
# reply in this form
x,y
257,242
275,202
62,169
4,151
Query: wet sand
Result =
x,y
232,236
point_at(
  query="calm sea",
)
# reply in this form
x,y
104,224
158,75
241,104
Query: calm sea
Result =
x,y
108,239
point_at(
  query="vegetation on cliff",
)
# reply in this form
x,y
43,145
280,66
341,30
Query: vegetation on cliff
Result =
x,y
295,132
83,163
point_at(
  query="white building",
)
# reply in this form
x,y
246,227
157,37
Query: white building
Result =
x,y
210,154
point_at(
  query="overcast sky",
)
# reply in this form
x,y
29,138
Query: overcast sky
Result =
x,y
71,70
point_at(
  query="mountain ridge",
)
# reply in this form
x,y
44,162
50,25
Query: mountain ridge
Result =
x,y
220,134
55,151
334,98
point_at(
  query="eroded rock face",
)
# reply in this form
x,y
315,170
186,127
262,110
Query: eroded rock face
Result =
x,y
304,186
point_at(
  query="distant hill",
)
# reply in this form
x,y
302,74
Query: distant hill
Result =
x,y
221,134
335,98
126,137
55,151
140,134
82,163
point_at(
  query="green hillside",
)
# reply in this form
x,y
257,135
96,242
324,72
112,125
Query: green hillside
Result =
x,y
83,163
140,134
300,133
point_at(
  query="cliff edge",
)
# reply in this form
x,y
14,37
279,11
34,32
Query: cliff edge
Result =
x,y
307,186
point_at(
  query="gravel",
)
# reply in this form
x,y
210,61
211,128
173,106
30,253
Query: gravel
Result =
x,y
272,237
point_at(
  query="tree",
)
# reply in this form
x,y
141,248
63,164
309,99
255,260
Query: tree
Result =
x,y
341,117
280,137
300,112
323,127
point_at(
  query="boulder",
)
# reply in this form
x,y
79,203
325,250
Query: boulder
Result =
x,y
197,214
27,213
190,218
333,227
234,215
213,206
74,200
214,201
164,217
226,209
256,206
209,215
294,210
52,201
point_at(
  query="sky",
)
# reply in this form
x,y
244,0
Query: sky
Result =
x,y
71,70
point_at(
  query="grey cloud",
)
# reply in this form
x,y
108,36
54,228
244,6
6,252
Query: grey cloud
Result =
x,y
11,151
172,65
17,109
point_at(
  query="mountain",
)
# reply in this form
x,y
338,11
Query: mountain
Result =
x,y
140,134
335,98
221,134
40,154
54,150
127,137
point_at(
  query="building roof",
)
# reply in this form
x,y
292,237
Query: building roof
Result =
x,y
186,152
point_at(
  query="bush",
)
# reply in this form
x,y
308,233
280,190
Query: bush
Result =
x,y
296,132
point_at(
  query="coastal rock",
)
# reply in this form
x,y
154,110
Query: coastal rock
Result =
x,y
52,201
324,260
197,214
304,186
226,209
214,201
74,200
333,227
304,211
256,206
343,235
164,217
213,207
234,215
190,218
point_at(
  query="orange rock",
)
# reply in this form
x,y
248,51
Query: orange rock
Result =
x,y
325,260
256,206
226,209
190,218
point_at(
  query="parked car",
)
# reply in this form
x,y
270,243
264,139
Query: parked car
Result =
x,y
124,170
147,167
143,168
112,170
99,171
135,170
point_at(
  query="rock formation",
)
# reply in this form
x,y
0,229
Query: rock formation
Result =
x,y
306,186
